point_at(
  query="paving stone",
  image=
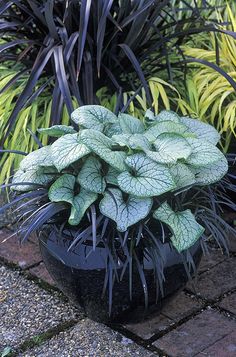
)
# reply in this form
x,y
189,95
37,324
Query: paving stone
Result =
x,y
216,281
26,310
89,339
209,261
196,334
151,326
229,303
225,347
24,255
40,272
174,310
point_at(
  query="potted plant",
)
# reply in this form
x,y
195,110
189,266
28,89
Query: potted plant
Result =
x,y
121,205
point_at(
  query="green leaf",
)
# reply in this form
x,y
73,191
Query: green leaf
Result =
x,y
113,129
182,175
203,153
166,115
90,176
81,203
102,146
169,148
66,150
149,114
93,117
202,130
186,231
36,174
146,179
57,130
62,189
134,141
111,176
40,157
165,127
130,125
124,213
206,175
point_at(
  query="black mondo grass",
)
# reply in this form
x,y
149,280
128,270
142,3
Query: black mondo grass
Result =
x,y
73,48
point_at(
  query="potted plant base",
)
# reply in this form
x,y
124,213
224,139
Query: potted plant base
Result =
x,y
81,278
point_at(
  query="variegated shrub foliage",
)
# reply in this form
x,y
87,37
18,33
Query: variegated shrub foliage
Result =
x,y
127,167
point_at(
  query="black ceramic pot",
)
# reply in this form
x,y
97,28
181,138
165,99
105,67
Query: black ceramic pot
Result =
x,y
82,280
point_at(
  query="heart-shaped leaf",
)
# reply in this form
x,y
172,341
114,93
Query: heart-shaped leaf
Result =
x,y
134,141
182,175
102,146
124,213
37,175
57,130
166,115
40,157
130,125
93,117
62,189
203,153
90,176
206,175
81,203
202,130
147,178
186,231
165,127
111,176
169,148
66,150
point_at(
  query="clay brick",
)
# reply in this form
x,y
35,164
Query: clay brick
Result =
x,y
150,327
229,303
11,251
196,335
178,307
226,347
41,273
209,261
217,281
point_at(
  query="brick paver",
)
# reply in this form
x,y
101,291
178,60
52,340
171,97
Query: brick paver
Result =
x,y
41,273
173,311
217,281
196,335
11,251
225,347
229,303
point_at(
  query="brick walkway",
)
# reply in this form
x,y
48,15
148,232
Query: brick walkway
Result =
x,y
199,321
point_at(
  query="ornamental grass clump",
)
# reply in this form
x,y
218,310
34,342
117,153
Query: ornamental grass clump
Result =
x,y
119,180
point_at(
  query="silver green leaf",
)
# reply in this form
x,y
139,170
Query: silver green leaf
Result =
x,y
203,153
62,189
165,127
57,130
165,115
81,203
185,229
134,141
147,179
130,125
112,129
206,175
90,176
124,213
202,130
111,176
182,175
149,114
66,150
169,148
37,175
93,117
102,146
40,157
